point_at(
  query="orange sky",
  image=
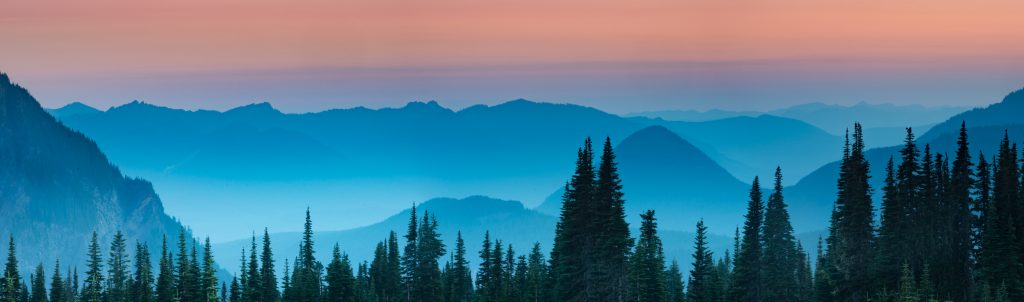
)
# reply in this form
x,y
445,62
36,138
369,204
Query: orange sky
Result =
x,y
47,40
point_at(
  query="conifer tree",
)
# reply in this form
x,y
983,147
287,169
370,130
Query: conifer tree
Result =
x,y
908,289
142,283
340,282
209,274
392,270
38,285
536,274
647,274
461,287
10,287
364,285
824,289
805,281
184,283
955,266
410,255
117,282
376,270
254,281
698,287
850,246
427,275
93,289
781,260
674,288
268,283
286,283
165,291
746,278
235,292
57,286
496,273
196,292
306,285
243,281
613,241
483,275
571,256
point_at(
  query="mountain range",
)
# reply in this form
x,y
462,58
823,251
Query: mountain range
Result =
x,y
377,160
884,122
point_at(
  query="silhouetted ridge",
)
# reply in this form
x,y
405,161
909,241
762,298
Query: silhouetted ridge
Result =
x,y
56,188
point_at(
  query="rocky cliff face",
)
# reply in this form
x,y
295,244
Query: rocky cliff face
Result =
x,y
57,187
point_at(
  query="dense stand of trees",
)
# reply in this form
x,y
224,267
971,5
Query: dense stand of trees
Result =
x,y
948,229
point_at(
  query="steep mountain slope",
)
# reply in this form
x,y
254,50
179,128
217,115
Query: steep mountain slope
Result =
x,y
338,160
986,127
661,171
506,220
56,188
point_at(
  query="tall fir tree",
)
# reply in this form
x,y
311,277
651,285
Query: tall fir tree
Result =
x,y
571,257
674,289
461,286
536,275
699,288
254,281
10,287
209,274
118,275
954,268
647,271
165,291
268,278
427,275
824,288
93,288
306,275
57,285
484,272
235,293
747,277
142,282
781,260
613,243
38,285
184,283
850,247
340,282
410,255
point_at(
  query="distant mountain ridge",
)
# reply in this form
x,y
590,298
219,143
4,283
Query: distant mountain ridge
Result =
x,y
884,122
57,187
338,159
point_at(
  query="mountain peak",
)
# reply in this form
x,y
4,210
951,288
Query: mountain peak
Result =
x,y
255,108
74,108
429,106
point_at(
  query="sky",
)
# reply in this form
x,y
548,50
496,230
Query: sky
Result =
x,y
620,56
